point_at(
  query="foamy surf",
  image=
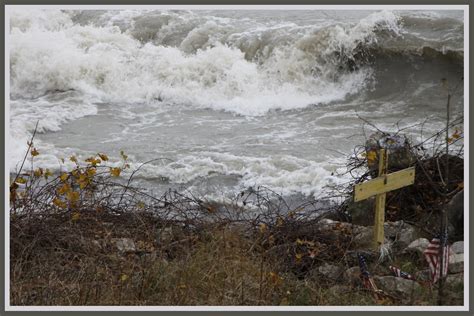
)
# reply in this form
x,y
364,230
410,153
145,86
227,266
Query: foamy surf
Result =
x,y
262,98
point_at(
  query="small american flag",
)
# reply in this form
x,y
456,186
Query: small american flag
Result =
x,y
367,280
365,274
401,274
432,255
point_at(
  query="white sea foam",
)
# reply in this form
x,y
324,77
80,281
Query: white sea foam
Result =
x,y
65,64
284,174
49,114
204,70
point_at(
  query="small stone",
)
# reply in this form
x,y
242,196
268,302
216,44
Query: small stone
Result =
x,y
400,153
337,290
400,232
397,286
362,212
165,235
330,271
352,275
97,244
419,245
363,238
455,209
456,263
454,279
458,247
124,245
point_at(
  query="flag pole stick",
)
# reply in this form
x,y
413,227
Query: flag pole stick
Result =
x,y
443,236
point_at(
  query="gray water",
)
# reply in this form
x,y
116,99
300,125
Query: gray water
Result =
x,y
229,99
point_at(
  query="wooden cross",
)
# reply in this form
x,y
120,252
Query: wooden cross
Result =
x,y
379,187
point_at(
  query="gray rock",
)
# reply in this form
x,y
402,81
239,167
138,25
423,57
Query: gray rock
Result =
x,y
458,247
337,290
455,210
124,245
400,232
399,154
456,263
454,279
330,271
363,236
397,286
362,212
98,244
164,235
418,246
352,275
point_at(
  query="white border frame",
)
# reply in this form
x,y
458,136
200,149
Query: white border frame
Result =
x,y
465,8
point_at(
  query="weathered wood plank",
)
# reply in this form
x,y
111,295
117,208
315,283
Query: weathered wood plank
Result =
x,y
379,219
383,184
380,203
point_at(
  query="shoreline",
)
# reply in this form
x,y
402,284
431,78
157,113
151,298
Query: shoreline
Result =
x,y
278,250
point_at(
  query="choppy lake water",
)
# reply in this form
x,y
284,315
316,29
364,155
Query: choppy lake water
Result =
x,y
231,99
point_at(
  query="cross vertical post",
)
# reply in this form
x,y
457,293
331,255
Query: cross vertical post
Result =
x,y
380,202
378,187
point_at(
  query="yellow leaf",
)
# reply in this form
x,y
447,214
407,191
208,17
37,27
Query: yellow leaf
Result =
x,y
93,161
59,203
123,277
262,227
65,188
299,241
182,286
115,172
83,185
103,157
20,180
73,159
73,196
456,134
34,152
141,205
275,278
63,176
279,222
461,185
47,173
75,216
371,156
91,172
312,253
38,172
298,257
83,180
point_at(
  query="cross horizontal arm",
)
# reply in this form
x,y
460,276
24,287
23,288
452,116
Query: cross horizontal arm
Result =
x,y
383,184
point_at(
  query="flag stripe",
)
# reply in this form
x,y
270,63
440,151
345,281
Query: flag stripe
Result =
x,y
401,274
432,256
